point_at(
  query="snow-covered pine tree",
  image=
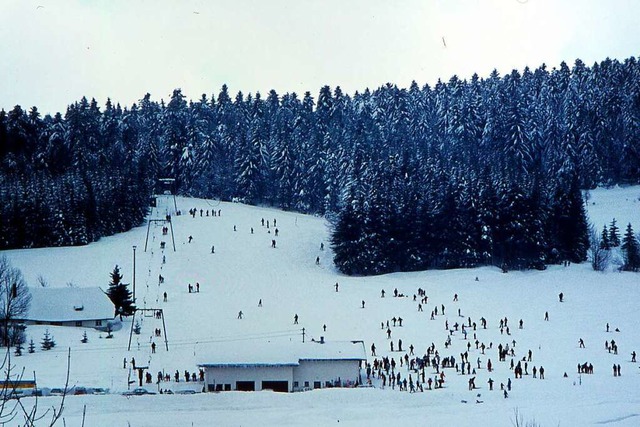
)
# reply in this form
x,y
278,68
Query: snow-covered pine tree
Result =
x,y
32,346
84,339
47,342
119,294
604,239
631,250
18,349
614,234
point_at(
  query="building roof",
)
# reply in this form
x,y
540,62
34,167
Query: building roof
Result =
x,y
277,353
69,304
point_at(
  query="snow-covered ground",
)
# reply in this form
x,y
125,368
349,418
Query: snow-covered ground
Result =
x,y
246,269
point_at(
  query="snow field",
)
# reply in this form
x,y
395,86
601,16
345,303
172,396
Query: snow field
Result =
x,y
245,269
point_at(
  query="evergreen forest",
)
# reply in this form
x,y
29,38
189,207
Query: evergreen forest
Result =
x,y
485,171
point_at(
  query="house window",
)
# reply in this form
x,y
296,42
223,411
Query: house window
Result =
x,y
295,384
317,384
227,387
98,322
306,384
79,323
327,384
219,387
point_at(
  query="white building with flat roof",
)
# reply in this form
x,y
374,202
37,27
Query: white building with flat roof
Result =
x,y
284,366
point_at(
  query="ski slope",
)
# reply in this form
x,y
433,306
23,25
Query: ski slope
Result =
x,y
245,269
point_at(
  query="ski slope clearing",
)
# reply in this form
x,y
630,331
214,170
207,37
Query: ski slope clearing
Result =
x,y
245,269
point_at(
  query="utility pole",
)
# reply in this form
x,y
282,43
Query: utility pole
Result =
x,y
134,274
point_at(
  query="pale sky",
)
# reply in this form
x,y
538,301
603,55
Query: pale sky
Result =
x,y
54,52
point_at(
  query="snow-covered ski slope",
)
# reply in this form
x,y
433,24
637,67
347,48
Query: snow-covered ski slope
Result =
x,y
245,269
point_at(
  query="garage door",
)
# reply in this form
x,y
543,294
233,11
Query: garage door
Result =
x,y
281,386
245,385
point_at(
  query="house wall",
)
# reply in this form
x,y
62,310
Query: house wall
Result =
x,y
76,323
229,375
325,371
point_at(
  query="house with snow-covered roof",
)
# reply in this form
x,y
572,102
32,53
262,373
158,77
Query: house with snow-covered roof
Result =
x,y
283,366
70,306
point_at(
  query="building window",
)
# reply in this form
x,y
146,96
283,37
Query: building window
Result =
x,y
295,384
306,384
327,384
317,384
98,322
79,323
227,387
219,387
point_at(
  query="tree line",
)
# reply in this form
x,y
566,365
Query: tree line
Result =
x,y
395,166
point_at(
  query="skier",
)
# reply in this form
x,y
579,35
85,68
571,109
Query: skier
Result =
x,y
273,243
317,260
240,314
190,239
561,296
336,286
546,316
362,303
165,297
260,303
213,249
295,319
153,347
382,293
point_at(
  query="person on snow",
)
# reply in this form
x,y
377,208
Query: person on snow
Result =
x,y
295,319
